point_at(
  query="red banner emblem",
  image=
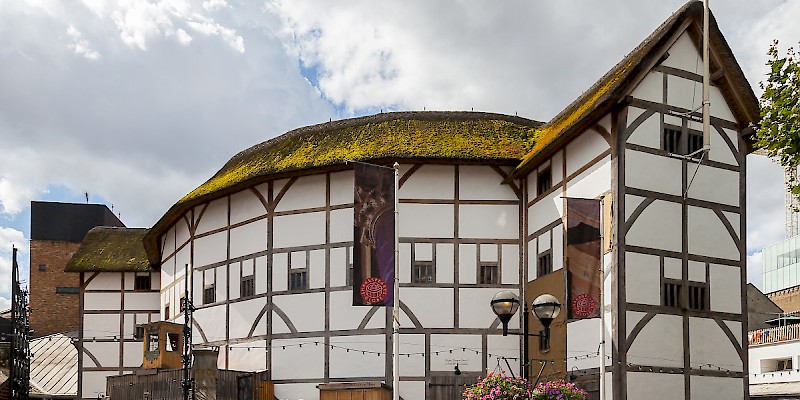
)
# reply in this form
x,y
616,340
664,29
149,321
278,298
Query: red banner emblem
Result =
x,y
373,290
583,306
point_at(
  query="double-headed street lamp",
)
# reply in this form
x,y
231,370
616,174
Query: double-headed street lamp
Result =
x,y
546,308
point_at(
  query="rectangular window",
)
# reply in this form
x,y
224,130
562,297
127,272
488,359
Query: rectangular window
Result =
x,y
671,295
248,286
544,342
489,274
173,341
422,272
544,265
695,144
67,290
138,332
166,311
672,140
209,294
544,181
298,279
141,283
350,275
697,296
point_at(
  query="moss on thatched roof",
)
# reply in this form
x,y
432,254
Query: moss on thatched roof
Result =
x,y
111,249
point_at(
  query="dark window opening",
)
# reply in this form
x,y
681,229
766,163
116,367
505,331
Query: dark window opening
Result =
x,y
141,282
166,311
672,140
42,267
544,181
544,265
423,272
697,297
210,294
173,341
298,279
138,332
489,274
67,290
671,296
544,342
248,286
695,144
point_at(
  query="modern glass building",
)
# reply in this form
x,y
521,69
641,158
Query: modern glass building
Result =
x,y
782,265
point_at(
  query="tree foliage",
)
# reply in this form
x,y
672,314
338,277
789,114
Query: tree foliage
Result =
x,y
779,128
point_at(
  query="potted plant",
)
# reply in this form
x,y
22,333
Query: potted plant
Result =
x,y
498,386
559,390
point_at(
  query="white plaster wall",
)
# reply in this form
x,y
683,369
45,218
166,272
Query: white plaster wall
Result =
x,y
306,192
447,360
467,263
132,354
260,268
214,217
306,311
316,273
658,227
299,230
643,279
645,385
101,326
419,301
404,269
710,345
248,239
415,364
503,346
583,149
445,260
660,343
651,88
757,354
473,310
558,249
488,221
343,314
545,211
412,389
726,289
338,266
510,264
720,151
708,236
429,220
344,364
245,205
429,182
102,301
714,184
650,172
556,168
712,387
242,315
210,249
94,383
296,391
647,134
684,93
182,228
583,339
106,353
683,55
482,183
241,359
593,182
342,225
285,363
211,319
104,281
342,187
142,301
168,242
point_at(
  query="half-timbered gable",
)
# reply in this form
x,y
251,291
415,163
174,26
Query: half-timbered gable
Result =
x,y
118,294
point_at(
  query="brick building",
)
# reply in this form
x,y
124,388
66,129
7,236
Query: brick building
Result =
x,y
57,230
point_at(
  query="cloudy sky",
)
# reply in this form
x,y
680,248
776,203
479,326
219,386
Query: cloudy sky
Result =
x,y
138,101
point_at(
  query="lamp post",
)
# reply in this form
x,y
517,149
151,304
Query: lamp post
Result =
x,y
545,307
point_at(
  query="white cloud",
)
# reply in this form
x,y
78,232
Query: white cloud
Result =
x,y
755,266
211,5
183,37
209,27
80,45
9,237
5,303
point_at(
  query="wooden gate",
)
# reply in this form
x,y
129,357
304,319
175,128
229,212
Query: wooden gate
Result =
x,y
448,386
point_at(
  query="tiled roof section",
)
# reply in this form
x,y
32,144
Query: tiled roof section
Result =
x,y
110,249
54,366
615,84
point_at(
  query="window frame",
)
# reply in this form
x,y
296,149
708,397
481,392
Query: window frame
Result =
x,y
140,278
302,272
426,266
548,173
495,275
212,288
247,282
548,255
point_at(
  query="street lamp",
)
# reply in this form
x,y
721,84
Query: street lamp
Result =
x,y
545,307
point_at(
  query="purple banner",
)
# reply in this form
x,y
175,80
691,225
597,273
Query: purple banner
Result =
x,y
583,258
373,250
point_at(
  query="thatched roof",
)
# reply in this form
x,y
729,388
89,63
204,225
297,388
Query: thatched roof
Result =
x,y
463,136
111,249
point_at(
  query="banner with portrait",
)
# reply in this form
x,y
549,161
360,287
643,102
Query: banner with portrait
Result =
x,y
583,258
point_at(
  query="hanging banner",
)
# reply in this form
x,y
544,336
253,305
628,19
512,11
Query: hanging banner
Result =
x,y
583,258
373,250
